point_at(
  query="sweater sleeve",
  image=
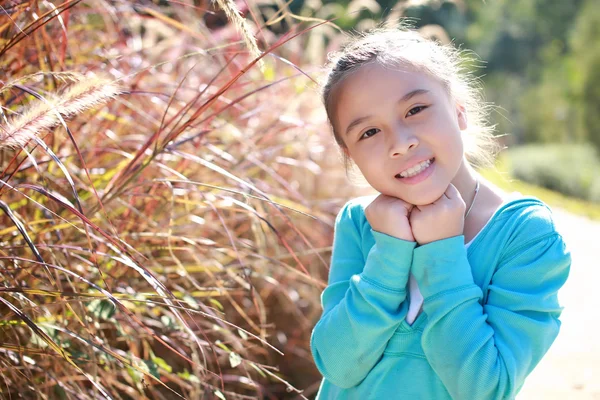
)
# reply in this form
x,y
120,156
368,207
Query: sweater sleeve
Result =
x,y
486,351
362,302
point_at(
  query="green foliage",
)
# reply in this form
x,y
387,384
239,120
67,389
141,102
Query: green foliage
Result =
x,y
511,36
102,309
569,169
500,176
586,51
551,110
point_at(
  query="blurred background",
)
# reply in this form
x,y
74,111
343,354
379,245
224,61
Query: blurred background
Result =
x,y
169,184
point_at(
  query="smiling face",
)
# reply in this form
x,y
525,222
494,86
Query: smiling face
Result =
x,y
402,130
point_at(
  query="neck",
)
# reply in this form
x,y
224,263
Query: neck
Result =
x,y
465,182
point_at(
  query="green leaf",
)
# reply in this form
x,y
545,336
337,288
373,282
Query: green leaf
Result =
x,y
191,301
152,368
188,377
162,363
102,309
167,321
217,304
60,393
260,371
136,375
38,341
219,394
221,345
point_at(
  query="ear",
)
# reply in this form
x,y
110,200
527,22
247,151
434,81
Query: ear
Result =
x,y
461,115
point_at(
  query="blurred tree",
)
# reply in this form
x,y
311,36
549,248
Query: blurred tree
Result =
x,y
564,105
586,55
528,73
511,35
451,15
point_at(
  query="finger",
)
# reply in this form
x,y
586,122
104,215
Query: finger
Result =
x,y
452,192
406,204
382,197
397,200
441,199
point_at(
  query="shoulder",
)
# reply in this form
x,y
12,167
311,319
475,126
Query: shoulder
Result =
x,y
351,224
528,223
527,215
354,211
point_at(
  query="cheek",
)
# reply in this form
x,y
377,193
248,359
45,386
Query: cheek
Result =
x,y
367,160
448,140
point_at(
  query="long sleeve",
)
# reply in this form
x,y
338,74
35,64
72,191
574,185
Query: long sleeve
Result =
x,y
485,351
361,304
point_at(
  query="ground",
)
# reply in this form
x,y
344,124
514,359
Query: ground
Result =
x,y
571,369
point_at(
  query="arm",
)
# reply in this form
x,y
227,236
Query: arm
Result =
x,y
361,304
485,352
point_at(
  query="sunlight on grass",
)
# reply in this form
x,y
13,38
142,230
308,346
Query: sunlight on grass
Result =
x,y
554,199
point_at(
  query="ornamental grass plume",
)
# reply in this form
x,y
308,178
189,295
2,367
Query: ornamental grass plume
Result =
x,y
233,14
45,113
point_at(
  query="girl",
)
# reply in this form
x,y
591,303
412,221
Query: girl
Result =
x,y
442,287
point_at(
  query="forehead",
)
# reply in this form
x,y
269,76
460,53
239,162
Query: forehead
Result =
x,y
372,87
375,79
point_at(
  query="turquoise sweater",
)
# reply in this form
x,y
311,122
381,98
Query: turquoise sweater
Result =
x,y
490,312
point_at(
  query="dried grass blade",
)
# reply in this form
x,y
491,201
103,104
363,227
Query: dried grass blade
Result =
x,y
52,344
114,354
39,22
127,260
23,232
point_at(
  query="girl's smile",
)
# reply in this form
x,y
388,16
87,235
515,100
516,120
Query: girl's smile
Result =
x,y
417,173
402,130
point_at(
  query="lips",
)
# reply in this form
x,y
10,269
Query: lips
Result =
x,y
415,169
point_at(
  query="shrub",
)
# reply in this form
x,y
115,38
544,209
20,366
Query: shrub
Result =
x,y
569,169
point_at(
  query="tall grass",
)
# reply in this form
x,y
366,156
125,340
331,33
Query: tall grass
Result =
x,y
167,206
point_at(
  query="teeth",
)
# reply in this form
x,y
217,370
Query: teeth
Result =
x,y
417,169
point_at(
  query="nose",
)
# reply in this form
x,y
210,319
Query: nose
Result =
x,y
402,141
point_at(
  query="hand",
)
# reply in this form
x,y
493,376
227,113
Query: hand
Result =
x,y
440,220
390,215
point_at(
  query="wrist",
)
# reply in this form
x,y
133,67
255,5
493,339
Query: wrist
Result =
x,y
431,235
402,234
442,266
389,261
437,238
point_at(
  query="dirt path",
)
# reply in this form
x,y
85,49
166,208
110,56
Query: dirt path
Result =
x,y
571,369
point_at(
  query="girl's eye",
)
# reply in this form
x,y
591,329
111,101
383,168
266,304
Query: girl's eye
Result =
x,y
415,110
369,133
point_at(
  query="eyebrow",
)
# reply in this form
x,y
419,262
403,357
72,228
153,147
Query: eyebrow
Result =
x,y
404,98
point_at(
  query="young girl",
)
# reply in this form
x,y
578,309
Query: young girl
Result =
x,y
441,287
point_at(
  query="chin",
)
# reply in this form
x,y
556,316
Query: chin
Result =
x,y
419,199
423,200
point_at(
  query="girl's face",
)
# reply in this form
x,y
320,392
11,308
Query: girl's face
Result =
x,y
402,131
